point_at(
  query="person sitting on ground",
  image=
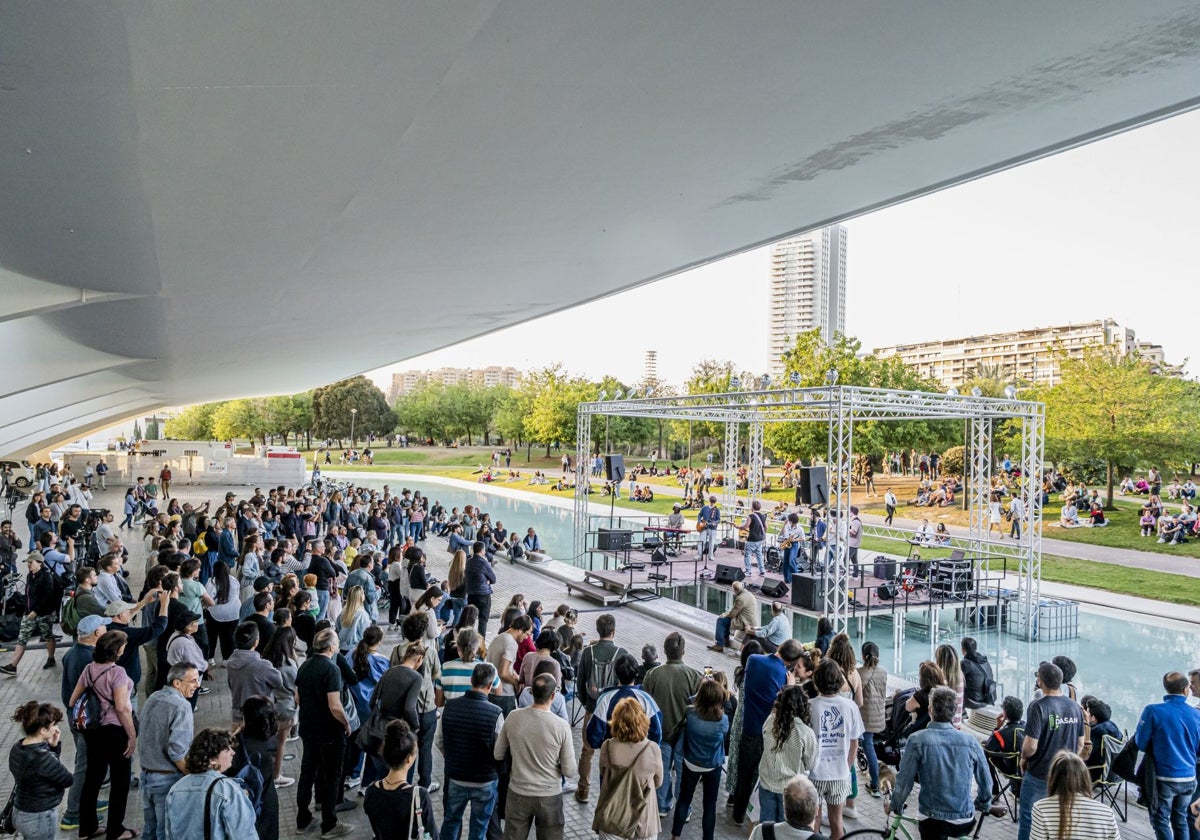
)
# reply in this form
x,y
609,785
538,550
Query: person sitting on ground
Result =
x,y
1097,516
1170,531
1069,518
1127,486
1147,523
647,494
1189,490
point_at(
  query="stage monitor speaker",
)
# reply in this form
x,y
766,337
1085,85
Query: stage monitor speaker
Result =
x,y
614,468
727,573
614,539
773,586
812,487
808,592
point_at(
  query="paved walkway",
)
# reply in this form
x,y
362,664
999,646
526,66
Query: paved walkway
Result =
x,y
646,624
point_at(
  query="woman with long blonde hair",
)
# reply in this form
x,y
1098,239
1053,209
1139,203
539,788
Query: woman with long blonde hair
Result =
x,y
947,661
455,589
354,620
1069,812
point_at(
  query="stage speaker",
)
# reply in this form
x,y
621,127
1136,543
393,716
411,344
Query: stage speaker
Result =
x,y
812,487
773,586
808,592
885,569
727,573
614,468
614,539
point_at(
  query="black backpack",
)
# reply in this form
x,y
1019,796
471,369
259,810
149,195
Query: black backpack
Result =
x,y
603,674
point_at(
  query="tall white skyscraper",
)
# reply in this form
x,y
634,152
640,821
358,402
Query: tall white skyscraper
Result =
x,y
808,289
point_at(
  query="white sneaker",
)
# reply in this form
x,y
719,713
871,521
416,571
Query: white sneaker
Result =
x,y
284,781
850,813
353,782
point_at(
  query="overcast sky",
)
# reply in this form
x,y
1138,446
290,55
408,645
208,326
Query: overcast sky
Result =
x,y
1108,230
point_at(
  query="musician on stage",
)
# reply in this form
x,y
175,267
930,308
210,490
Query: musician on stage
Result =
x,y
790,541
709,518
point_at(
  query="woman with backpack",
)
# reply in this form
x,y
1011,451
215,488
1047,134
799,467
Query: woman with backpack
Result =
x,y
254,746
110,737
630,773
35,763
396,808
206,803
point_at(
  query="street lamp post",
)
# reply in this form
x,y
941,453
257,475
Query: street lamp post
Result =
x,y
353,415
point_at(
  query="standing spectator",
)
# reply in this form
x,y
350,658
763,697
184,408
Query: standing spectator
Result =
x,y
595,673
599,725
945,760
629,751
542,754
41,607
1069,812
838,726
111,745
429,698
480,577
765,675
320,566
801,807
121,613
281,653
41,777
1052,723
1171,731
671,685
324,728
255,746
471,773
874,697
78,657
167,725
392,797
247,672
223,613
790,748
205,803
705,725
502,653
457,673
353,621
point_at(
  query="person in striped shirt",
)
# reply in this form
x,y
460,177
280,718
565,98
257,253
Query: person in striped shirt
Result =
x,y
456,673
1069,812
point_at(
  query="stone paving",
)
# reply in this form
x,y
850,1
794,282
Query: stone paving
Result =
x,y
636,625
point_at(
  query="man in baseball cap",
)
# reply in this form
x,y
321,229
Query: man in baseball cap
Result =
x,y
89,624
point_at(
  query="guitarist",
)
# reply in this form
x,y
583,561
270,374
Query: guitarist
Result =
x,y
755,531
706,524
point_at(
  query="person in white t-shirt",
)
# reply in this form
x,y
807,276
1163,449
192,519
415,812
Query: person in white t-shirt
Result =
x,y
838,725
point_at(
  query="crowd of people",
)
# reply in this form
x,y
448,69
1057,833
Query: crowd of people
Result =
x,y
290,594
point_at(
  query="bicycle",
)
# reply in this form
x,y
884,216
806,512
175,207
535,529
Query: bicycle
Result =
x,y
899,829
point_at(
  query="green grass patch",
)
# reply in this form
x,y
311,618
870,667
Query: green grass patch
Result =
x,y
1126,580
1123,531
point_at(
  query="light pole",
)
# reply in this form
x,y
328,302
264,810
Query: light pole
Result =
x,y
353,415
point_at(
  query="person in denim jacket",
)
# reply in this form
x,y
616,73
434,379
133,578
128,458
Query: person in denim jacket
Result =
x,y
230,815
705,725
946,760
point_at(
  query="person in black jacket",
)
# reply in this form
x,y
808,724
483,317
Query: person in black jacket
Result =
x,y
320,566
41,776
979,684
480,577
41,606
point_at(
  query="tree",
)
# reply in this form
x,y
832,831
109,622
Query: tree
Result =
x,y
555,398
137,430
1118,409
286,415
811,359
193,423
239,419
709,376
332,404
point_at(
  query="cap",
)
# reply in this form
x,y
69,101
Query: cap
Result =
x,y
175,517
261,583
231,495
118,607
184,619
89,624
35,555
677,506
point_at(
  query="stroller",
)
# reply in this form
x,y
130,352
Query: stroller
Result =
x,y
899,725
12,606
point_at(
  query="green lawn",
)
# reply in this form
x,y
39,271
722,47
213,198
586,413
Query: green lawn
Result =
x,y
1123,531
1158,586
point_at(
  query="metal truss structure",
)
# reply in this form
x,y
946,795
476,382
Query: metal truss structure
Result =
x,y
840,407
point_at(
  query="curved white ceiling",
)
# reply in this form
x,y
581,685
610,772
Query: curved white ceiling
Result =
x,y
210,200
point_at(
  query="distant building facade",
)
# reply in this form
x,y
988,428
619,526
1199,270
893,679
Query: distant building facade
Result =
x,y
1021,355
808,290
408,380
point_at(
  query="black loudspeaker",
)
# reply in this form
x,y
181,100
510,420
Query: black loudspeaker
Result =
x,y
614,468
773,586
812,487
728,573
885,569
808,592
614,539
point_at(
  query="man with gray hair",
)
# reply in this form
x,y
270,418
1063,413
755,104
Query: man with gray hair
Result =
x,y
472,774
166,735
324,728
801,806
946,760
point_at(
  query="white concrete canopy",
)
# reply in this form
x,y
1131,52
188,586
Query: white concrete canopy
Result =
x,y
196,195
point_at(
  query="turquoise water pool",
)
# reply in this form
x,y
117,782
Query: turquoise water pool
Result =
x,y
1121,656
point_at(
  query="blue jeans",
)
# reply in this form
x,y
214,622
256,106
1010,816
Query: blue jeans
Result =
x,y
672,759
1032,789
755,550
322,603
76,790
868,745
36,825
451,610
790,566
770,806
1169,818
454,804
724,622
154,803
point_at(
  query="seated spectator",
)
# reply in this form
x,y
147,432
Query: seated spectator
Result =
x,y
1069,518
1127,486
1170,531
1098,717
1147,523
1141,487
941,536
1174,489
1188,491
1004,747
1097,516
